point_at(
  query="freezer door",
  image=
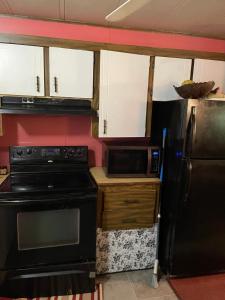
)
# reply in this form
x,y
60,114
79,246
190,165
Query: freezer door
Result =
x,y
205,133
198,234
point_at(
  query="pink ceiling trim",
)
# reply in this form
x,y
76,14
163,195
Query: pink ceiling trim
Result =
x,y
81,32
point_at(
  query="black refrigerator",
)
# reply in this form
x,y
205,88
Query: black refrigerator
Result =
x,y
192,225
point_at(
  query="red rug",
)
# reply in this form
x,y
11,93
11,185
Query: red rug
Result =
x,y
97,295
210,287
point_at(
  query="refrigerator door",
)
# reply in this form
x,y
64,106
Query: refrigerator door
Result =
x,y
197,243
205,129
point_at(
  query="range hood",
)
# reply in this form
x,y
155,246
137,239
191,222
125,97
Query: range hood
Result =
x,y
45,106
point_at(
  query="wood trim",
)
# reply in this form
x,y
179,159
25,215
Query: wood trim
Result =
x,y
46,71
111,27
149,98
94,126
1,126
64,43
192,69
100,206
3,178
95,101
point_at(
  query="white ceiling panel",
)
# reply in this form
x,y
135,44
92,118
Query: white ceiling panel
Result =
x,y
52,9
200,17
96,10
197,17
4,7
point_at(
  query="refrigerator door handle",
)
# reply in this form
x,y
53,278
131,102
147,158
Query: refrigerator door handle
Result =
x,y
191,132
194,130
188,182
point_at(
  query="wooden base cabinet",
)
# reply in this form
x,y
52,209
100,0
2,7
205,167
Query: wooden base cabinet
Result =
x,y
126,203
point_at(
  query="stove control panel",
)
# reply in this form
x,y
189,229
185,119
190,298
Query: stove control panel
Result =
x,y
48,154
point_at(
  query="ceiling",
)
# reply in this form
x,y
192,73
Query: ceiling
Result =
x,y
196,17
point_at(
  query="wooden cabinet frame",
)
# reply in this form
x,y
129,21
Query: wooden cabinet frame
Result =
x,y
123,196
64,43
94,46
103,192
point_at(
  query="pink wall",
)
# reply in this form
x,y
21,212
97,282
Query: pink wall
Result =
x,y
49,130
108,35
75,130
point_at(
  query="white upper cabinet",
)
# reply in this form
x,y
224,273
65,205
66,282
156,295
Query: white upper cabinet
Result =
x,y
169,72
123,94
21,70
207,70
71,73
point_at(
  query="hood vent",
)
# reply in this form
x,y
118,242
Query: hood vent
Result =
x,y
45,106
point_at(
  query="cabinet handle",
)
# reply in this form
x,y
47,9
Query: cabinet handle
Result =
x,y
129,221
56,84
104,127
38,83
131,201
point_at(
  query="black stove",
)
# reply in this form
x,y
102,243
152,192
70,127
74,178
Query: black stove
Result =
x,y
46,182
47,223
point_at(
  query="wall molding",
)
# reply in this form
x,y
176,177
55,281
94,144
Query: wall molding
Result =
x,y
110,26
96,46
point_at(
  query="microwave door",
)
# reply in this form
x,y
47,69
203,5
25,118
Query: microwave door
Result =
x,y
132,161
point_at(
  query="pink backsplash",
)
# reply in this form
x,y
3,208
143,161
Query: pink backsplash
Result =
x,y
49,130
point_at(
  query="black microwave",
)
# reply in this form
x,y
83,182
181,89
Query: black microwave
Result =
x,y
132,161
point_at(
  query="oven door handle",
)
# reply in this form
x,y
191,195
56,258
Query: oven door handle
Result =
x,y
50,273
18,202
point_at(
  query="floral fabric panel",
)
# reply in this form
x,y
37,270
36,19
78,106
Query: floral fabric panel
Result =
x,y
124,250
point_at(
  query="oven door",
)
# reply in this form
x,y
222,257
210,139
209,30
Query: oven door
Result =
x,y
38,231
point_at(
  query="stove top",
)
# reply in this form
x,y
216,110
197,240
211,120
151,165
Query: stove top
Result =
x,y
48,169
47,182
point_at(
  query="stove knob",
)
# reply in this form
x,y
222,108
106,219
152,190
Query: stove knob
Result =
x,y
29,151
70,152
19,152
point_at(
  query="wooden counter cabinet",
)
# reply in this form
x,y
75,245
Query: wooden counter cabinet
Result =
x,y
125,203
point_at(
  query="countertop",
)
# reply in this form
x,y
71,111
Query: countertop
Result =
x,y
3,178
100,177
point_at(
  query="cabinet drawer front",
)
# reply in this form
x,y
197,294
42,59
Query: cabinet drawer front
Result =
x,y
141,188
127,199
127,219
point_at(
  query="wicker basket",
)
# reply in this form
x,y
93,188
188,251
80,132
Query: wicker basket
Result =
x,y
195,90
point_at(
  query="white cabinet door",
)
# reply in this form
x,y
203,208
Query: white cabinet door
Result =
x,y
123,94
207,70
21,70
167,73
71,73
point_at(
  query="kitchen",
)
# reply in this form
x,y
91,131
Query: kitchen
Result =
x,y
46,130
